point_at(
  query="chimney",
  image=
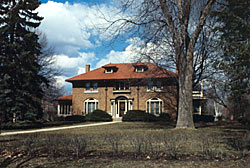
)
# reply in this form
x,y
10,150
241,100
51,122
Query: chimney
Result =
x,y
87,69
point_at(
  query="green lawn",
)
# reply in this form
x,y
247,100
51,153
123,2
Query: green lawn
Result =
x,y
130,145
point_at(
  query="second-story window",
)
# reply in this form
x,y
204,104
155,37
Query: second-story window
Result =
x,y
151,85
95,86
158,85
121,86
155,86
87,86
91,87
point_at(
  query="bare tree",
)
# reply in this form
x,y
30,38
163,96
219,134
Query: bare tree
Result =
x,y
52,90
171,31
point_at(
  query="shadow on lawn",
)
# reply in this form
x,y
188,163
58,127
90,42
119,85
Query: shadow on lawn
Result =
x,y
231,125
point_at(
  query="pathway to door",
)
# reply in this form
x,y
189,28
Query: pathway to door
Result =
x,y
57,128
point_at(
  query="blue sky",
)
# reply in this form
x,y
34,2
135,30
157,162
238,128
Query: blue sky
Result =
x,y
72,29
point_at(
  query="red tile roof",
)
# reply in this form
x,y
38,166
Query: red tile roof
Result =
x,y
68,97
125,71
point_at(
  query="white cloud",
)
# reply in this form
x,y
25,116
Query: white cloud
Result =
x,y
62,26
60,80
129,55
81,70
72,29
73,65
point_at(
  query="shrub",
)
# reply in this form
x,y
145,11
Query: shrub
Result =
x,y
165,117
114,140
78,118
203,118
78,143
98,115
139,115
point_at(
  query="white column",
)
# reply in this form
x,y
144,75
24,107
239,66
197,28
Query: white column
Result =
x,y
126,106
117,109
200,109
58,109
130,105
113,108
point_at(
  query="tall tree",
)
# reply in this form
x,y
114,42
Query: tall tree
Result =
x,y
234,41
174,27
20,81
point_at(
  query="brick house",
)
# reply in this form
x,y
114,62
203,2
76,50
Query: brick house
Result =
x,y
117,88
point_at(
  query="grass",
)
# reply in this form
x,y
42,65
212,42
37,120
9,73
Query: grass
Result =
x,y
130,145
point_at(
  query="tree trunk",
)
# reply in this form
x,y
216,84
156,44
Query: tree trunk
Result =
x,y
185,107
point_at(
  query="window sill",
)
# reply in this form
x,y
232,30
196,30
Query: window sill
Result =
x,y
121,91
91,91
158,90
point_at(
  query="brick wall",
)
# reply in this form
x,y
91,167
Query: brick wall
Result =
x,y
138,92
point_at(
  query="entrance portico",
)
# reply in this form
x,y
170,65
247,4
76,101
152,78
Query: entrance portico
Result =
x,y
120,105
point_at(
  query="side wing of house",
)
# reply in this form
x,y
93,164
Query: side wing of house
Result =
x,y
64,106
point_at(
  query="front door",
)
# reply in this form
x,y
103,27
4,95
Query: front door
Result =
x,y
122,109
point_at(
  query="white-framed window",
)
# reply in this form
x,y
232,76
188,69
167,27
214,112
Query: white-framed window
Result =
x,y
64,109
121,86
90,105
87,86
155,106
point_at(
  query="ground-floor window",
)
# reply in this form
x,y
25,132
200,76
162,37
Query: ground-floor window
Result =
x,y
64,109
154,106
90,105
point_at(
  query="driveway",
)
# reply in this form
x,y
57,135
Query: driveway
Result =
x,y
57,128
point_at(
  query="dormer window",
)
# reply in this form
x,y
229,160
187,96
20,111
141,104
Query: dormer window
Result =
x,y
139,69
109,70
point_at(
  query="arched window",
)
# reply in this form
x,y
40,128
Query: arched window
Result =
x,y
90,105
154,106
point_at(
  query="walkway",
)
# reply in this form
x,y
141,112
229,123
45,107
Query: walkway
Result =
x,y
57,128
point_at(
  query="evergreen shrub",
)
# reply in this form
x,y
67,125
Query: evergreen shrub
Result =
x,y
98,115
139,115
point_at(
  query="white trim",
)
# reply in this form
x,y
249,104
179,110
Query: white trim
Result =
x,y
86,105
109,71
64,109
148,105
139,69
121,91
115,106
91,91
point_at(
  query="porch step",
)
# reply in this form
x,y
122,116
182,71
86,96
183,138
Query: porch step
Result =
x,y
117,119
